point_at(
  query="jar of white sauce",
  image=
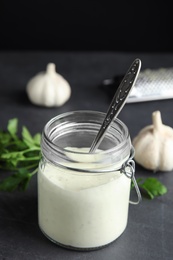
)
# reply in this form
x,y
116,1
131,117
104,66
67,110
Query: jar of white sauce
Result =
x,y
83,198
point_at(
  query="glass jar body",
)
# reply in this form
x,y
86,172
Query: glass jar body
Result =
x,y
83,198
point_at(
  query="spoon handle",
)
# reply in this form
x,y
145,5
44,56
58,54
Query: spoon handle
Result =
x,y
118,101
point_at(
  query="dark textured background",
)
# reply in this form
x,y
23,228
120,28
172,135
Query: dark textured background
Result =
x,y
86,25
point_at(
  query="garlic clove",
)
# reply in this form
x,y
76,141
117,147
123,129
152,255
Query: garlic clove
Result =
x,y
48,88
154,145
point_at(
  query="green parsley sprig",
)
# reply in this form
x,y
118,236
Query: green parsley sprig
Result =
x,y
19,156
151,187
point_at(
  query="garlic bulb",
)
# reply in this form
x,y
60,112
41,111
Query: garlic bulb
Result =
x,y
48,88
154,145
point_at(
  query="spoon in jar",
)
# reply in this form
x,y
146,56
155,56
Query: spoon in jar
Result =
x,y
118,101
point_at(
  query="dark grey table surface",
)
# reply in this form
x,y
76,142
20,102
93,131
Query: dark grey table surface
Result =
x,y
149,233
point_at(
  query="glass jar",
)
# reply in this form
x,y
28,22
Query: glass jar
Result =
x,y
83,198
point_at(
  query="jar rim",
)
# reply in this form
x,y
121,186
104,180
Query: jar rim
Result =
x,y
79,112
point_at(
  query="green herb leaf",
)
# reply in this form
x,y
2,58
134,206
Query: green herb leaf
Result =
x,y
27,138
37,139
13,127
19,156
17,181
151,187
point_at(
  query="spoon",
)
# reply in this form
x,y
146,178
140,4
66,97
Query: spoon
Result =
x,y
118,101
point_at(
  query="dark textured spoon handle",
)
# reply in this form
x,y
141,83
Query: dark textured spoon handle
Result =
x,y
118,101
